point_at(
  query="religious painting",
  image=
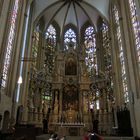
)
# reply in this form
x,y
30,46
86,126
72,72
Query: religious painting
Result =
x,y
70,67
70,98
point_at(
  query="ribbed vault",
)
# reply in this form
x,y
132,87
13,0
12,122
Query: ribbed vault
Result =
x,y
75,12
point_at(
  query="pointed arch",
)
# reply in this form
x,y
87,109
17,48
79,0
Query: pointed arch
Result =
x,y
57,28
90,50
70,37
83,28
50,35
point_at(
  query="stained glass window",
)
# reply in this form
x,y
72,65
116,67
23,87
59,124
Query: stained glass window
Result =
x,y
136,27
106,46
107,58
50,48
35,47
11,37
69,39
51,35
121,54
90,49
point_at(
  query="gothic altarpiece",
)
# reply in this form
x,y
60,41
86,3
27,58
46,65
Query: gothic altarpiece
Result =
x,y
65,94
71,104
70,84
69,110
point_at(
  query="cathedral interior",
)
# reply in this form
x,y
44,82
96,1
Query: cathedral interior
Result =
x,y
73,65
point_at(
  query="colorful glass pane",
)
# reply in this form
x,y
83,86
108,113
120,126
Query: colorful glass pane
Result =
x,y
50,48
106,47
51,35
69,39
90,49
35,47
10,42
121,54
136,27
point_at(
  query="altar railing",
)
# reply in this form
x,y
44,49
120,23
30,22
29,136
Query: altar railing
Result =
x,y
69,124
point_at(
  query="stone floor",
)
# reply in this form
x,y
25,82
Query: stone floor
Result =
x,y
46,137
118,138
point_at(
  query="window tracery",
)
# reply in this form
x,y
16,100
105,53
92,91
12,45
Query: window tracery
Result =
x,y
50,48
51,35
10,41
107,59
136,27
35,48
121,54
106,46
90,49
69,39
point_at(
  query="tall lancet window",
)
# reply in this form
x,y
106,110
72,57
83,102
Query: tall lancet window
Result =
x,y
136,27
10,42
90,49
35,47
106,46
50,48
121,53
51,36
69,39
107,58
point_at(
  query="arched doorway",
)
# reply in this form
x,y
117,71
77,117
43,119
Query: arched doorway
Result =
x,y
6,119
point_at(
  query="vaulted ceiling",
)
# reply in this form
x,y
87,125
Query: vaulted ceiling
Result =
x,y
75,12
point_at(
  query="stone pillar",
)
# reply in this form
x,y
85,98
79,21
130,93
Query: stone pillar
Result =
x,y
56,103
35,115
40,115
30,115
25,115
60,103
82,105
86,102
